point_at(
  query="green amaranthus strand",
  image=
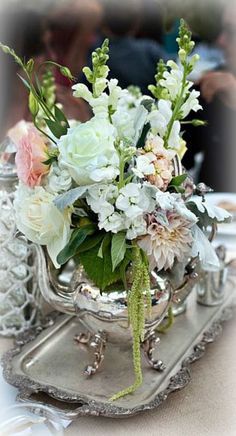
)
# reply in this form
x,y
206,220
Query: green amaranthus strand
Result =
x,y
139,297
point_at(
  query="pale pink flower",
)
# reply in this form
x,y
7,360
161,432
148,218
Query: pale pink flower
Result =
x,y
19,130
31,153
162,161
165,243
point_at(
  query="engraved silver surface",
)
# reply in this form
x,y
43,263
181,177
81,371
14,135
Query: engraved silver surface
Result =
x,y
47,366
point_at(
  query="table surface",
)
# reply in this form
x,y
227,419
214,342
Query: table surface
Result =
x,y
206,407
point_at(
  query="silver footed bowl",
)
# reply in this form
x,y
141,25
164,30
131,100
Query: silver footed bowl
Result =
x,y
70,291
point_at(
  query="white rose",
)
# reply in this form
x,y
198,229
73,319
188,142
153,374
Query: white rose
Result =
x,y
41,221
87,148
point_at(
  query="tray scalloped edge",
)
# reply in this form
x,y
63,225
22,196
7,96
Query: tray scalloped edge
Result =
x,y
87,407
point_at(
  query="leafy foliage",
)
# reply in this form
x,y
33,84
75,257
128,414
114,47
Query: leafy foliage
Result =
x,y
78,237
118,248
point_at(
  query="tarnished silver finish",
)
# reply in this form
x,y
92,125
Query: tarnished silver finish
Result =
x,y
211,284
148,347
101,311
39,365
98,343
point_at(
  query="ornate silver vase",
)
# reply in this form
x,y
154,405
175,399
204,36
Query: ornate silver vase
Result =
x,y
19,291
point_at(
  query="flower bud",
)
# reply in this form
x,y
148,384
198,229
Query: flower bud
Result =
x,y
197,123
182,55
66,73
33,105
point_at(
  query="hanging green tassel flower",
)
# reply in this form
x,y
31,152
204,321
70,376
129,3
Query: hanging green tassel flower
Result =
x,y
139,303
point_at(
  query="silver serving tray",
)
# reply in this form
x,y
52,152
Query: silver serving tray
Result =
x,y
47,365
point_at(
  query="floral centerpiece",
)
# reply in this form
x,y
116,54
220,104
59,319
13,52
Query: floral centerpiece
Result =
x,y
110,193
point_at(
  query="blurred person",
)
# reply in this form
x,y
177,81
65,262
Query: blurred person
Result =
x,y
218,94
132,61
151,24
22,30
71,31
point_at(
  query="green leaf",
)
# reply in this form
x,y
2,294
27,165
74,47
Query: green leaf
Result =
x,y
178,189
141,141
91,242
100,251
100,270
78,237
56,128
178,180
26,83
118,249
60,116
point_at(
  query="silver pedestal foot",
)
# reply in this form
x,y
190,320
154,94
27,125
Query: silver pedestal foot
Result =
x,y
98,343
148,346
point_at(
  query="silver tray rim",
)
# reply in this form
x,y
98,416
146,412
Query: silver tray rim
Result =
x,y
88,407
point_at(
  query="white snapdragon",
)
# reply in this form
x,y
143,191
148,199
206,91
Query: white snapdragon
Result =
x,y
173,79
174,140
191,104
103,102
88,152
159,118
134,200
41,221
81,91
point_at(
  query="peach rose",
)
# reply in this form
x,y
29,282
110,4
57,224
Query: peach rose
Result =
x,y
31,152
19,130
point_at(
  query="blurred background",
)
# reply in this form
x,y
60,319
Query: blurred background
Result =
x,y
140,32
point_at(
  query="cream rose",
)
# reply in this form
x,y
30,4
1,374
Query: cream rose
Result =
x,y
88,152
40,221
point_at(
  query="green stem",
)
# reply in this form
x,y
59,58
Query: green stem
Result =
x,y
122,170
44,133
168,324
177,106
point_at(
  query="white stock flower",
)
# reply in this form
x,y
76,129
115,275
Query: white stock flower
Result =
x,y
174,203
136,227
41,221
101,199
58,179
113,223
191,104
87,148
159,118
134,200
144,165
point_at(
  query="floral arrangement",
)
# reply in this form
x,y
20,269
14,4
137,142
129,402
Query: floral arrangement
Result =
x,y
110,193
